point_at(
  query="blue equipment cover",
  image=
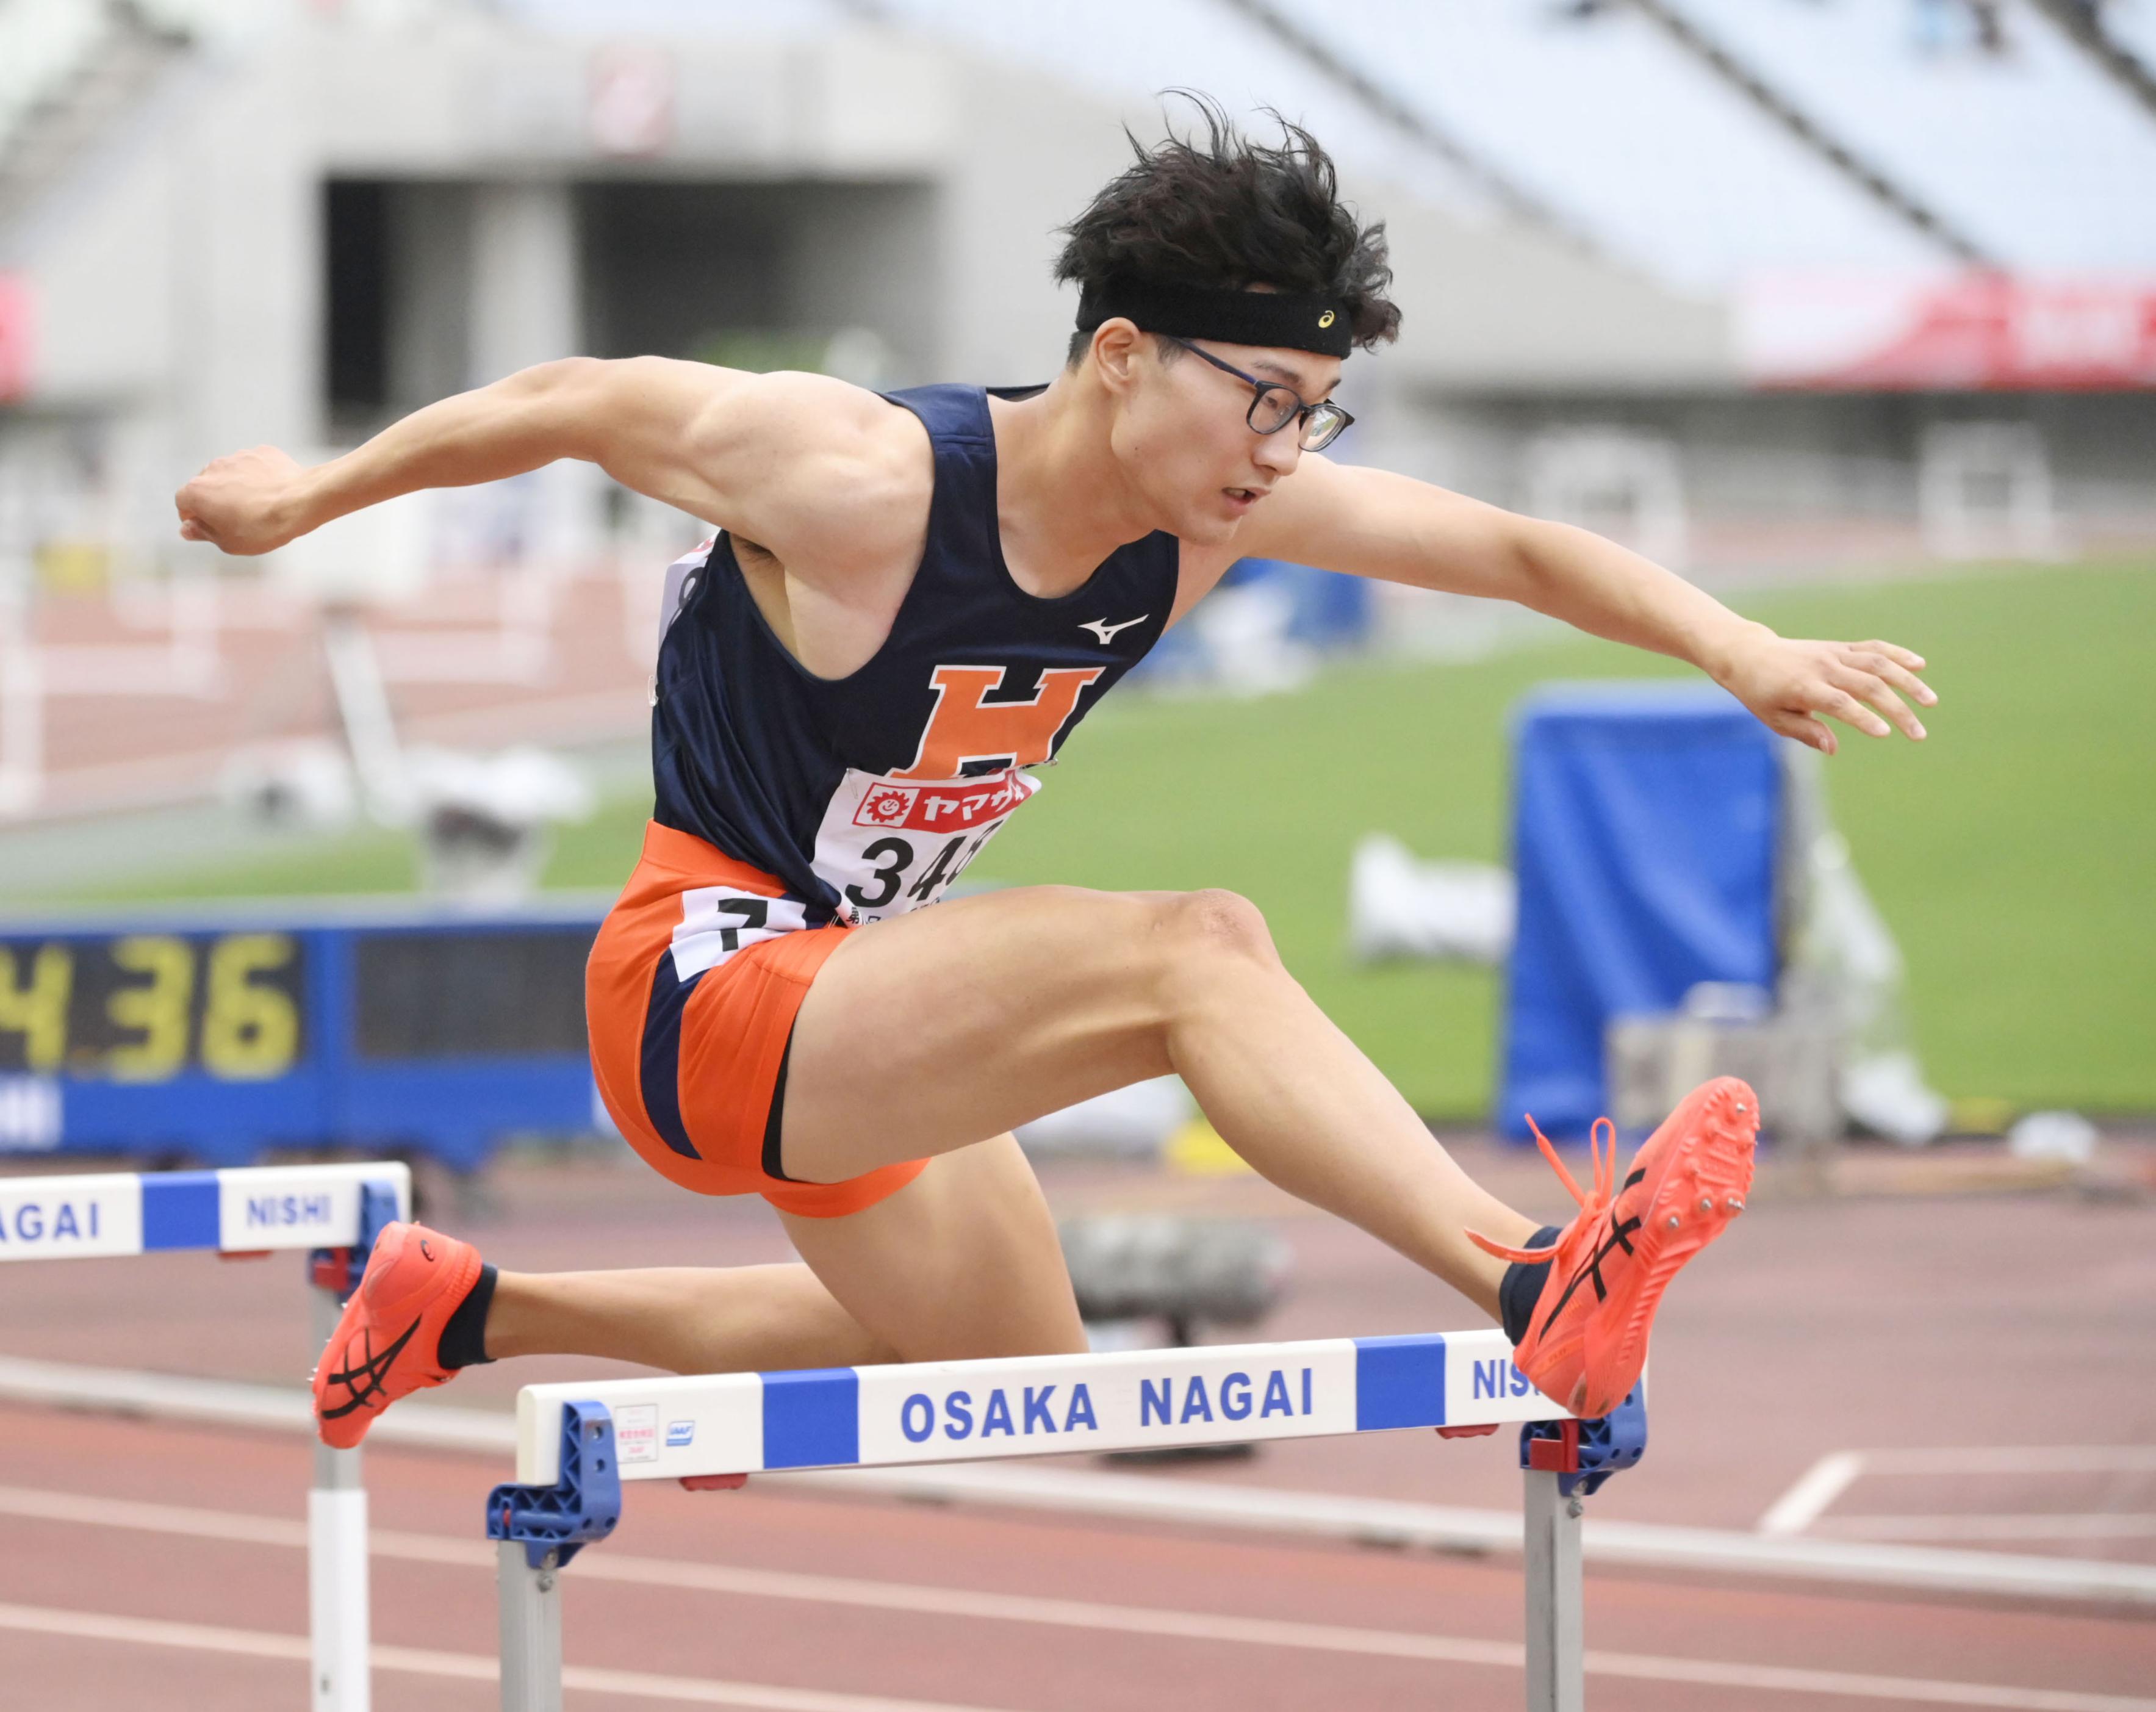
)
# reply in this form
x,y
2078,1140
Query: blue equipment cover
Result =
x,y
1646,823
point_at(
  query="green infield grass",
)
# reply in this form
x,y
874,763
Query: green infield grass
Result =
x,y
2013,853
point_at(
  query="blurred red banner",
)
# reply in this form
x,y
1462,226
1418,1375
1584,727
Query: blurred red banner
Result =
x,y
15,331
1973,333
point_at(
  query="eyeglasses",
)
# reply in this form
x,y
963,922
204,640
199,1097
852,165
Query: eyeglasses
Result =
x,y
1273,406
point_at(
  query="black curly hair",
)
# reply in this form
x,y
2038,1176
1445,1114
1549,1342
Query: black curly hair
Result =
x,y
1220,211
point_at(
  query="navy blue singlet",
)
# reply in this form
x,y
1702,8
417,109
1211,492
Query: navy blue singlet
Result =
x,y
868,794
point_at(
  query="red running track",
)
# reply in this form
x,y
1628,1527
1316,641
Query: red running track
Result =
x,y
1819,1325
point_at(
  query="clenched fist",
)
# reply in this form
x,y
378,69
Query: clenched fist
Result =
x,y
247,503
1790,684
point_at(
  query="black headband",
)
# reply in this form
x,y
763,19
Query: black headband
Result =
x,y
1292,321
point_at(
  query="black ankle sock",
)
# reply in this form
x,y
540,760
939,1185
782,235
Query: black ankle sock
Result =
x,y
1517,1296
463,1342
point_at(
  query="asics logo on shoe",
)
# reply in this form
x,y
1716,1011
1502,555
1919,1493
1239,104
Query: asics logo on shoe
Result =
x,y
1619,1237
364,1382
1106,632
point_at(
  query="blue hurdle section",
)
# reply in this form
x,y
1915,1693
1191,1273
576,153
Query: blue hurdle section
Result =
x,y
578,1443
248,1210
747,1423
332,1214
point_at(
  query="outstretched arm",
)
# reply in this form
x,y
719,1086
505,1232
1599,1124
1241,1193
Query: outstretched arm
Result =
x,y
734,449
1372,523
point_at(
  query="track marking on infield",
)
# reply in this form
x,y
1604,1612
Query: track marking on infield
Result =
x,y
1801,1509
1813,1494
688,1576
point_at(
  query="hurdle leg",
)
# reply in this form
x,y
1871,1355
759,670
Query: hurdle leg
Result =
x,y
336,1561
1556,1667
530,1628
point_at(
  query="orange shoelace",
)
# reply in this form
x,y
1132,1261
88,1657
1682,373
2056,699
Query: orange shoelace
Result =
x,y
1605,1187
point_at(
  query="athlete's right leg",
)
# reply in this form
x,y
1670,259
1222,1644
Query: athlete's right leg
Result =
x,y
928,1032
923,1034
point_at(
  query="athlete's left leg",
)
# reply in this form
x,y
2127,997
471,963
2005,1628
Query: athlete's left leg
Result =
x,y
419,1315
685,1320
963,1262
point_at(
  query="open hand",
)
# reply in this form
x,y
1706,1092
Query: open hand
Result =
x,y
248,502
1790,685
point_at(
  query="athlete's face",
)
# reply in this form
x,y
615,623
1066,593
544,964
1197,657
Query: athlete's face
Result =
x,y
1185,430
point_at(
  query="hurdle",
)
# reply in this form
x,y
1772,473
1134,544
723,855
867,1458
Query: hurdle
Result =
x,y
577,1443
331,1212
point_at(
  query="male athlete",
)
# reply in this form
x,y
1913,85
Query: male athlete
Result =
x,y
910,600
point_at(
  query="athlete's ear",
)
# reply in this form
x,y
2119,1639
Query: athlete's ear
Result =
x,y
1119,349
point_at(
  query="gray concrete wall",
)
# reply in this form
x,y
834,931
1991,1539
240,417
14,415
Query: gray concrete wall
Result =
x,y
180,285
1030,155
1504,307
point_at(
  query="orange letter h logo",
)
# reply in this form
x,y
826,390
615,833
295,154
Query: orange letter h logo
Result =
x,y
966,729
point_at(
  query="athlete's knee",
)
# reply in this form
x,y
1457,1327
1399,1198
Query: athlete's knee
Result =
x,y
878,1352
993,1343
1071,1342
1214,924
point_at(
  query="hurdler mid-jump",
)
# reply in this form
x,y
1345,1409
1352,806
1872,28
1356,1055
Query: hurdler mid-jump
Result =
x,y
908,601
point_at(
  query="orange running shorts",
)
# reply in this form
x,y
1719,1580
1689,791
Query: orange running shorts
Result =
x,y
690,996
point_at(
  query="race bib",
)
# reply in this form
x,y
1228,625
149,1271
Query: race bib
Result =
x,y
890,845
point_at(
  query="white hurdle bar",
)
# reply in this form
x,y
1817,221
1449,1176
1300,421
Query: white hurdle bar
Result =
x,y
252,1210
578,1442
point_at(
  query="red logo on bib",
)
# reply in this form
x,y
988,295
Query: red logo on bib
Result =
x,y
884,806
941,808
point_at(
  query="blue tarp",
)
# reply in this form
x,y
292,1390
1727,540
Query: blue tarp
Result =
x,y
1646,823
1329,610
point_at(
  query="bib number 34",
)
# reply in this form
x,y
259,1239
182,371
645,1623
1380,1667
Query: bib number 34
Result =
x,y
891,845
893,862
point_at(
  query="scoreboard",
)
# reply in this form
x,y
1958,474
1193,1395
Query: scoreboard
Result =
x,y
220,1033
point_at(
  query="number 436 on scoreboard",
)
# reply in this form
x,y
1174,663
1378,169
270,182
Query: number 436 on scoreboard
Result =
x,y
144,1006
221,1036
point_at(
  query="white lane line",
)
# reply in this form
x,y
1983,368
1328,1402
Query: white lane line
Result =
x,y
1814,1493
1797,1509
1858,1685
419,1661
2019,1525
611,1566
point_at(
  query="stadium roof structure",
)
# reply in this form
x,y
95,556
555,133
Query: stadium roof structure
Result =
x,y
1594,115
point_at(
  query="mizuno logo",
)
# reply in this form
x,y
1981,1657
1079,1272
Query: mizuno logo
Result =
x,y
1107,632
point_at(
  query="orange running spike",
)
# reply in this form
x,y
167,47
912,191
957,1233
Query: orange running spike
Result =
x,y
1587,1342
1557,1164
384,1345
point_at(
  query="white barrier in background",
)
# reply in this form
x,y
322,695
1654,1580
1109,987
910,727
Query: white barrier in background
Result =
x,y
246,1211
